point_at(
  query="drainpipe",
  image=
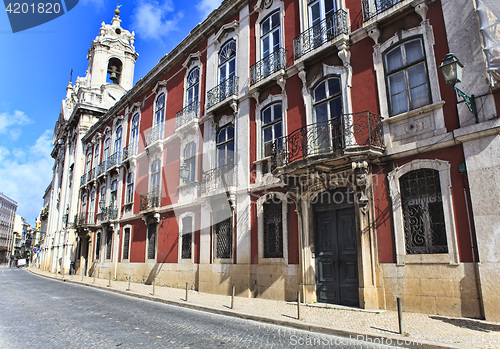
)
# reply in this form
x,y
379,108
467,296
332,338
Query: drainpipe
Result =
x,y
463,171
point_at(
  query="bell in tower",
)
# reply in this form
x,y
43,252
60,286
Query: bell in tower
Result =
x,y
114,70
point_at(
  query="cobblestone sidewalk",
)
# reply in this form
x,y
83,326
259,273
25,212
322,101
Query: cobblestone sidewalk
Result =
x,y
380,325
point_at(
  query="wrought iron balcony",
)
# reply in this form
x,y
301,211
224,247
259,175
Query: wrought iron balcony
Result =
x,y
220,177
111,213
267,66
320,33
187,114
155,134
90,218
371,8
81,219
354,132
101,169
83,180
129,150
150,200
113,160
225,89
91,175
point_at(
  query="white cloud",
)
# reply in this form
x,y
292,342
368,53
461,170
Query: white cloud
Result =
x,y
206,6
7,121
26,173
155,20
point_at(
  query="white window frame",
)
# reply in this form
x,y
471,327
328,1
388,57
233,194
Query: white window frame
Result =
x,y
264,16
135,139
399,236
181,233
128,226
260,224
129,200
426,33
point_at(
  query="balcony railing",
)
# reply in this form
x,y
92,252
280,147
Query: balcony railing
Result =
x,y
377,7
150,200
354,131
129,150
91,175
225,89
155,134
101,169
320,33
187,114
83,180
220,177
113,160
267,66
81,219
111,212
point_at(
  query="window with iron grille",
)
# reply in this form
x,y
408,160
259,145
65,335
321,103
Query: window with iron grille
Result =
x,y
187,237
406,75
423,216
273,229
126,242
109,240
223,239
151,241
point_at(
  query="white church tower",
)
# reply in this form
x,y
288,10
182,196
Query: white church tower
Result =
x,y
109,75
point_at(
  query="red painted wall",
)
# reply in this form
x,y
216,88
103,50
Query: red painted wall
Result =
x,y
138,241
168,239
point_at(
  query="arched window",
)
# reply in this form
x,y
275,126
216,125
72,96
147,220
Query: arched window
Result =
x,y
225,146
134,134
160,110
192,87
118,140
106,150
96,156
423,215
227,61
130,188
327,104
272,129
114,70
190,161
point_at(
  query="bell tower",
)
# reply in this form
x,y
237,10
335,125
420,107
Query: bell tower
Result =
x,y
112,56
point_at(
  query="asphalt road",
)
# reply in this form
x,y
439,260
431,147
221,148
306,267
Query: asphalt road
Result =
x,y
36,312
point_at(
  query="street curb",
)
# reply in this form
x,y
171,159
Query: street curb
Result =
x,y
296,324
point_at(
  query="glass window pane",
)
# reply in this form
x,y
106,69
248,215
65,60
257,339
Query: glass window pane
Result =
x,y
399,103
277,111
268,134
321,112
266,26
222,136
265,46
276,40
275,20
397,83
232,67
417,76
394,59
413,51
335,107
333,86
222,73
329,7
277,130
419,96
320,92
230,132
315,13
266,116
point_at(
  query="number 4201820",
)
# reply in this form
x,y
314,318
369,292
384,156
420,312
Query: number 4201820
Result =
x,y
24,8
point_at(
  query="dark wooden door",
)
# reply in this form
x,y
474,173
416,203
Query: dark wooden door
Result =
x,y
336,257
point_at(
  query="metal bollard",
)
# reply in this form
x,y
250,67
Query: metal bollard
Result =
x,y
400,315
93,274
186,291
298,305
109,284
154,282
82,276
62,273
232,299
128,288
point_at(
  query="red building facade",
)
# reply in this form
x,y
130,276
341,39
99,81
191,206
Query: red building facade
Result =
x,y
289,146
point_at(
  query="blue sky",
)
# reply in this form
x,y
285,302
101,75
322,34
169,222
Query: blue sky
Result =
x,y
35,67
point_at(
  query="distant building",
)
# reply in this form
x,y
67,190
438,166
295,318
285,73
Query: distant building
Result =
x,y
22,238
8,208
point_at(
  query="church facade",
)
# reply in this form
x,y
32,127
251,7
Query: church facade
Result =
x,y
288,146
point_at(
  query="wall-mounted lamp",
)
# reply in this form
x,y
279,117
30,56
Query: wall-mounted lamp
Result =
x,y
452,72
184,173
